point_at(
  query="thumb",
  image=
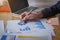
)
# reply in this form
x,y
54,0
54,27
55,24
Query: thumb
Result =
x,y
25,18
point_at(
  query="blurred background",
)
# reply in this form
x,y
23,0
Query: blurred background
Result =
x,y
35,3
4,6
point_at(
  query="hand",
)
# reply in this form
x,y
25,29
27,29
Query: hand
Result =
x,y
25,17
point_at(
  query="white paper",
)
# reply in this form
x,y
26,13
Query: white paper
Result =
x,y
1,28
16,28
48,26
12,26
8,37
44,28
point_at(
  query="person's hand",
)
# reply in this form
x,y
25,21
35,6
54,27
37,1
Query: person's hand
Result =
x,y
25,17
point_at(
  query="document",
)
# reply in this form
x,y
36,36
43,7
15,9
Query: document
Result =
x,y
34,28
1,28
29,26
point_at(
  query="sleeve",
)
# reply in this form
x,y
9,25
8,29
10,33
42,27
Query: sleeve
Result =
x,y
51,11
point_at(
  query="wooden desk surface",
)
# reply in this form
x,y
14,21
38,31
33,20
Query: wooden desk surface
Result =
x,y
9,16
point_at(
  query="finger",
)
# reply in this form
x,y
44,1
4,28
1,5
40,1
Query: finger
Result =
x,y
25,18
20,17
23,15
28,18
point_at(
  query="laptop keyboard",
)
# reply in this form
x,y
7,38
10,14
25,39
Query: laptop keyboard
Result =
x,y
27,9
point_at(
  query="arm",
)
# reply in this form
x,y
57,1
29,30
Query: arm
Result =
x,y
47,12
51,11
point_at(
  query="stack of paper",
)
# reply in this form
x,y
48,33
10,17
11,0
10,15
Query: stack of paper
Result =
x,y
35,30
8,37
1,28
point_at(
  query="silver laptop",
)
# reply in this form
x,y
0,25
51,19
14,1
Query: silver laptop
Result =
x,y
19,6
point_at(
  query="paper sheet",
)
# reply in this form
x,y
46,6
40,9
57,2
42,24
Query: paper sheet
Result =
x,y
13,26
34,28
1,27
30,26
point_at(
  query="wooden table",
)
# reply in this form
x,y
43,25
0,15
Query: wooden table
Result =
x,y
10,16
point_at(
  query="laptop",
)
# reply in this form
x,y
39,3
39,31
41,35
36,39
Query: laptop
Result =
x,y
19,6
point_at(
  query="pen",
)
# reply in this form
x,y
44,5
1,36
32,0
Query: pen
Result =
x,y
30,11
23,23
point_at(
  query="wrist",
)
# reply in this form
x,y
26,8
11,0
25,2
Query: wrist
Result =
x,y
40,15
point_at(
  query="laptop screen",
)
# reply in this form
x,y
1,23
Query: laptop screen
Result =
x,y
16,5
